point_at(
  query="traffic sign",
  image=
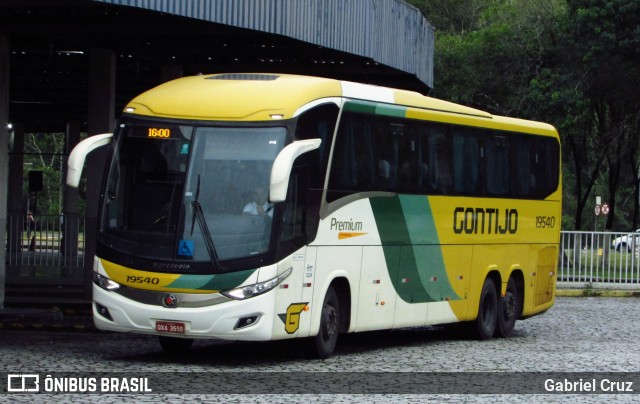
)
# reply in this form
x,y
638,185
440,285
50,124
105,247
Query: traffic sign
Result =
x,y
597,210
605,209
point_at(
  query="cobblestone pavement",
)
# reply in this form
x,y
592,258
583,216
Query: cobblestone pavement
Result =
x,y
579,334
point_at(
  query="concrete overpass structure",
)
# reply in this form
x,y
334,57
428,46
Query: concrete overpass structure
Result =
x,y
70,66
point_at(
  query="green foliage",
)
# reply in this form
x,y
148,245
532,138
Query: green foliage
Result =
x,y
45,152
489,60
604,36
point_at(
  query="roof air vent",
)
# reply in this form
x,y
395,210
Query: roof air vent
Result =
x,y
243,76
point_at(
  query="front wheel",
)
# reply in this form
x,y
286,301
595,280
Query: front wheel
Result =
x,y
485,324
325,341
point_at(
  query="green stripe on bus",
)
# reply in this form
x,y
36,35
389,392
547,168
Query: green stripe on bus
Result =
x,y
391,110
364,107
411,248
375,108
426,247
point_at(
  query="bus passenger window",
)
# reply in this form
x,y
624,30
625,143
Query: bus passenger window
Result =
x,y
546,165
525,178
355,166
497,166
436,159
466,153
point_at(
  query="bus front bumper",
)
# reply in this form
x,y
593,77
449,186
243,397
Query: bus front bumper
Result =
x,y
241,320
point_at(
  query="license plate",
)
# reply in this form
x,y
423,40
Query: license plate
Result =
x,y
173,327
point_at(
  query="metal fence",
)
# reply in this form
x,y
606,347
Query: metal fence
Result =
x,y
44,242
53,246
599,259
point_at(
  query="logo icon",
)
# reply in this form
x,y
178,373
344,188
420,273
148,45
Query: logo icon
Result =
x,y
23,383
170,301
291,319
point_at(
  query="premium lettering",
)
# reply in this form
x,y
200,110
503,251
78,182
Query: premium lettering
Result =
x,y
485,221
345,225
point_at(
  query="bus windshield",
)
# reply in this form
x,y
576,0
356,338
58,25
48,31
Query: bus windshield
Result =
x,y
193,193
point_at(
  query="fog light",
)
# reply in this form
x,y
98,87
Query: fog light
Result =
x,y
103,311
246,322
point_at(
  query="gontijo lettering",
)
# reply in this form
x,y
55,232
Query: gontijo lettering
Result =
x,y
485,221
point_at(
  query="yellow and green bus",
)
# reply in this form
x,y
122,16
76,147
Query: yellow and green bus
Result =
x,y
268,206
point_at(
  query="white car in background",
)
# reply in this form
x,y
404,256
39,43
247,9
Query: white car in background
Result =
x,y
626,243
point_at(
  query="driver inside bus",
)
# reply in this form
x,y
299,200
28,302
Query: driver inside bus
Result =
x,y
260,206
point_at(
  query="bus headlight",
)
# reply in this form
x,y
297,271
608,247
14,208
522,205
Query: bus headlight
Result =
x,y
104,282
245,292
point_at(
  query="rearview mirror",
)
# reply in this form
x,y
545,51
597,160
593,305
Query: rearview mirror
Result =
x,y
281,170
79,155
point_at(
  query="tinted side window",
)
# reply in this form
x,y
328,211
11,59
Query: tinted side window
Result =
x,y
381,153
317,123
373,153
546,154
354,165
497,157
435,159
466,155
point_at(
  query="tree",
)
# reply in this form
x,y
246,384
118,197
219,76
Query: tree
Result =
x,y
43,152
487,51
566,62
601,57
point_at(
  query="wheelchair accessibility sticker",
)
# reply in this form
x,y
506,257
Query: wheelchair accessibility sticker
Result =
x,y
185,248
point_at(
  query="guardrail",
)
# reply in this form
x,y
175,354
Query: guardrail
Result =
x,y
599,259
45,241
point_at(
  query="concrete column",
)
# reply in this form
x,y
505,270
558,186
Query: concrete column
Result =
x,y
102,84
69,246
16,206
4,157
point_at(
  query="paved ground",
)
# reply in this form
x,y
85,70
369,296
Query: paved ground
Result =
x,y
579,334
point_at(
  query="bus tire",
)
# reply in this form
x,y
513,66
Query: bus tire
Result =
x,y
172,345
485,324
508,310
325,341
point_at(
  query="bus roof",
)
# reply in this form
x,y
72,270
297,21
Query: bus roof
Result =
x,y
235,96
263,96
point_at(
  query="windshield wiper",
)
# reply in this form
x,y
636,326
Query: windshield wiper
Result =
x,y
202,222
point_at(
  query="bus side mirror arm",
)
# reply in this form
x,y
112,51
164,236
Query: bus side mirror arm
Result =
x,y
281,170
79,154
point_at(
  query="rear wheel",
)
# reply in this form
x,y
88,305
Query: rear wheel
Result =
x,y
174,345
485,324
508,310
325,341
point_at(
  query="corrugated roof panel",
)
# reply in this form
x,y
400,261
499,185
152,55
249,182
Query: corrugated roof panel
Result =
x,y
390,32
